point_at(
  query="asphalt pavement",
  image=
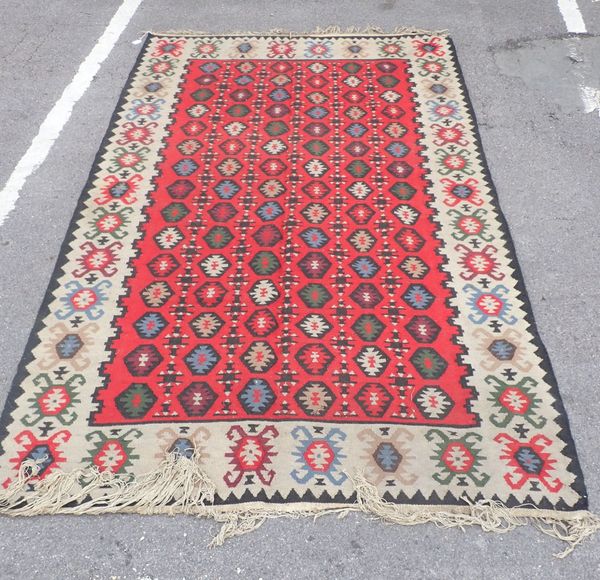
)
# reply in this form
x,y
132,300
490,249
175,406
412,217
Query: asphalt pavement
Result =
x,y
525,75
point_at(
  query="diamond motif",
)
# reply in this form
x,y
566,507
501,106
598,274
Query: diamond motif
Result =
x,y
362,240
273,166
314,237
215,265
395,130
315,213
269,211
316,168
418,297
197,399
315,398
180,189
276,128
387,457
372,361
256,397
409,240
357,149
68,346
264,263
356,130
168,238
150,325
433,402
210,294
207,324
358,168
316,189
317,129
259,357
174,212
423,329
202,359
314,326
156,294
135,401
267,235
185,167
218,237
314,358
414,267
261,323
226,188
365,267
163,265
374,399
222,212
361,214
142,360
368,327
400,169
229,167
263,292
272,188
366,295
316,147
397,149
314,265
502,349
429,364
315,295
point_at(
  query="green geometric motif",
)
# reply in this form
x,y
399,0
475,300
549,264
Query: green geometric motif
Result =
x,y
457,457
54,400
315,295
368,327
135,401
512,401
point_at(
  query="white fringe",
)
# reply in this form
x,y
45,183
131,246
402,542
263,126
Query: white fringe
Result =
x,y
180,486
319,31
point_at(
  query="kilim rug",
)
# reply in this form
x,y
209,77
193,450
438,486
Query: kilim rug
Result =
x,y
288,289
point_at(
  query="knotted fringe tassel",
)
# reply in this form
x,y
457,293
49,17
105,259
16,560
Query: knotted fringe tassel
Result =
x,y
326,31
248,519
491,516
179,485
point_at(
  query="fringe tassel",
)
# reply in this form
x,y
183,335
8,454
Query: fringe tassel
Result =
x,y
179,485
491,516
319,31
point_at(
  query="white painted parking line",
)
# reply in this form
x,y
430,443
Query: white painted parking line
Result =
x,y
61,111
591,98
572,16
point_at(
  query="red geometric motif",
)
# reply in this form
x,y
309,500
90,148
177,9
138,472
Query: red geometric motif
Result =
x,y
289,267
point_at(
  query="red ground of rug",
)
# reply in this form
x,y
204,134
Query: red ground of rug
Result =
x,y
289,265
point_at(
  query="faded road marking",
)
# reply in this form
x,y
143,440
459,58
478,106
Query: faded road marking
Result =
x,y
591,98
61,111
572,16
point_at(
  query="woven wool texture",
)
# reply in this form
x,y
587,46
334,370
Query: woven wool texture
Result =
x,y
289,268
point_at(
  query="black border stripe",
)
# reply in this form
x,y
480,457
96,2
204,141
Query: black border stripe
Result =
x,y
562,420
